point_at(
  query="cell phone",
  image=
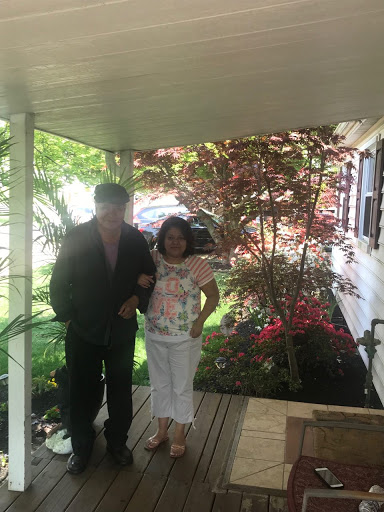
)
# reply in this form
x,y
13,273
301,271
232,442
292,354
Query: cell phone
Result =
x,y
329,478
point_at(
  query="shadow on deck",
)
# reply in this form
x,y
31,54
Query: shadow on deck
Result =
x,y
155,482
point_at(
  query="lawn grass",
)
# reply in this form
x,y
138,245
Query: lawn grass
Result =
x,y
46,356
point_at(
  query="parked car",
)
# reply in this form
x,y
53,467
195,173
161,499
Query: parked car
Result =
x,y
151,214
203,239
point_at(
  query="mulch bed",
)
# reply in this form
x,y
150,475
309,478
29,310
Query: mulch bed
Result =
x,y
347,390
40,426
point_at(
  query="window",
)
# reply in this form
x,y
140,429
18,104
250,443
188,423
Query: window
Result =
x,y
344,195
369,195
366,196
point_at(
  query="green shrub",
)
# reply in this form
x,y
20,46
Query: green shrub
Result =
x,y
52,414
41,385
321,350
244,370
258,366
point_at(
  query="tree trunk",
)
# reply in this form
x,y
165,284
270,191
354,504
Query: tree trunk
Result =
x,y
293,367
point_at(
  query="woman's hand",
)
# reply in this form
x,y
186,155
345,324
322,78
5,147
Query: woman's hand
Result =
x,y
211,291
145,280
197,329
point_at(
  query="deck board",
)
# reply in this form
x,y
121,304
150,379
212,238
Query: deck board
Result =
x,y
8,497
120,492
95,488
224,443
29,500
147,494
174,496
229,502
185,468
210,446
200,498
70,485
160,465
154,482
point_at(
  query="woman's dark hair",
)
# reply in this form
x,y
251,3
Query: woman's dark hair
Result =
x,y
186,230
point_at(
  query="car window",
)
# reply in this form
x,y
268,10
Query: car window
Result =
x,y
152,214
147,215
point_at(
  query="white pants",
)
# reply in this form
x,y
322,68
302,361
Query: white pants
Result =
x,y
172,367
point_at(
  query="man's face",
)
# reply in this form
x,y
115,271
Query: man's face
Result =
x,y
110,216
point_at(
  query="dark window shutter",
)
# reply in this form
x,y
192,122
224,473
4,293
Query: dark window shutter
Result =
x,y
345,205
376,196
358,195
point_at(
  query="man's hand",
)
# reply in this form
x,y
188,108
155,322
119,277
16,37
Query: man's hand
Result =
x,y
197,329
128,309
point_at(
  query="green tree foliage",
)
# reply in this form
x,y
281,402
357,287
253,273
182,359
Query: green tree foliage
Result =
x,y
63,160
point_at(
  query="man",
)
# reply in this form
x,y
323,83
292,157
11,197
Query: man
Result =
x,y
94,291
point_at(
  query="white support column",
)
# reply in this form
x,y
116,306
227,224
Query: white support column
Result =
x,y
20,295
126,172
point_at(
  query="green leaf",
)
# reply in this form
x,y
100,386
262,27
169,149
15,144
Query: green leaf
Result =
x,y
17,326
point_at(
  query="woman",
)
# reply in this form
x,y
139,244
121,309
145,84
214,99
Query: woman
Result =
x,y
173,327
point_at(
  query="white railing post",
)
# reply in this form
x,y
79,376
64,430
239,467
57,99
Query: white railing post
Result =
x,y
20,299
126,171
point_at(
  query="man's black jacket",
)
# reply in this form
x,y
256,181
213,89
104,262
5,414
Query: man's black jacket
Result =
x,y
85,291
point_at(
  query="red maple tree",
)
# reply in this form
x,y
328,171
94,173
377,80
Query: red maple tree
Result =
x,y
274,195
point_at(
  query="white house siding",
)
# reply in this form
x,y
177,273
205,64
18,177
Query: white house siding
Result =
x,y
368,275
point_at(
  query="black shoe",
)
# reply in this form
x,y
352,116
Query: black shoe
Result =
x,y
122,455
76,464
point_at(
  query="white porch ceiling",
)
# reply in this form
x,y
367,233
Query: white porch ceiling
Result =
x,y
140,74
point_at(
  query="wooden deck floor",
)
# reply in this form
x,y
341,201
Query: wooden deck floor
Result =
x,y
155,482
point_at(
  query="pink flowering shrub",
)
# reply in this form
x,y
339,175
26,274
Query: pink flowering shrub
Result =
x,y
246,371
258,366
320,348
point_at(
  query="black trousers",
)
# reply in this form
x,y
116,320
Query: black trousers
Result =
x,y
84,362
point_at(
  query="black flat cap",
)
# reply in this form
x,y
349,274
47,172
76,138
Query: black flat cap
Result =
x,y
111,193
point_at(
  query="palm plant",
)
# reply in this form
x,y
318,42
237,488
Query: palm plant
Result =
x,y
114,174
51,212
21,323
5,144
15,327
54,220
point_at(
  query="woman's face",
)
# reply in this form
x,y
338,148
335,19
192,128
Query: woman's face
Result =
x,y
175,243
